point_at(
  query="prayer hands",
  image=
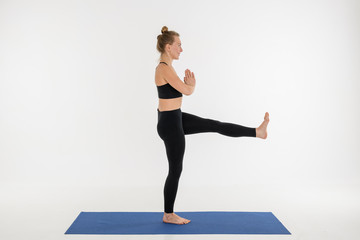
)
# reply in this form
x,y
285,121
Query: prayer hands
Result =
x,y
189,78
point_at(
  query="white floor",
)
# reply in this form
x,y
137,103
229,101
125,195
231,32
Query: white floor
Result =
x,y
45,212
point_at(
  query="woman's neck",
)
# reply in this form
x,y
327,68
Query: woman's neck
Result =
x,y
166,59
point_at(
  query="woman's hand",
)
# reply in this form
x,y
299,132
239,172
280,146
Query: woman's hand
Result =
x,y
189,78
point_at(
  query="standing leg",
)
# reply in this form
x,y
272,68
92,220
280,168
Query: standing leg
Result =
x,y
171,132
175,149
194,124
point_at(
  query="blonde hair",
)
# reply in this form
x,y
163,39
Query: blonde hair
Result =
x,y
166,37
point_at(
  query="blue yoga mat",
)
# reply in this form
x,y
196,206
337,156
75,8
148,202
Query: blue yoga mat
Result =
x,y
201,223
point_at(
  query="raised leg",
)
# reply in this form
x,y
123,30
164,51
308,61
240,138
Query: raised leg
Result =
x,y
193,124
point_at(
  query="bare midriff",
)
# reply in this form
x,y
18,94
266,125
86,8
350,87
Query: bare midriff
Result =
x,y
169,104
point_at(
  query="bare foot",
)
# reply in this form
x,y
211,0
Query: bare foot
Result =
x,y
175,219
261,130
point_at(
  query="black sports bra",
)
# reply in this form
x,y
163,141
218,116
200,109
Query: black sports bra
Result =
x,y
166,91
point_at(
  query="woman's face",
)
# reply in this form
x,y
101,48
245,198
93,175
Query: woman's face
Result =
x,y
175,49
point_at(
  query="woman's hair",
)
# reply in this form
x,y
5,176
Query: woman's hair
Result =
x,y
167,37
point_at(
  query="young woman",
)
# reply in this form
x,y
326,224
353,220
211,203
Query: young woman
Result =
x,y
173,124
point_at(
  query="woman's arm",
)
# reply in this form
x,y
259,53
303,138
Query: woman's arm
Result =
x,y
171,77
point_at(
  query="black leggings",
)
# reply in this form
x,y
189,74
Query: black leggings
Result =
x,y
172,127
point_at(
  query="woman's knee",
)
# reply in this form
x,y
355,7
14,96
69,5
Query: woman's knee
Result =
x,y
175,171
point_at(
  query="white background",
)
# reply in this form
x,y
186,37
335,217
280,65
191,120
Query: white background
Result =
x,y
78,102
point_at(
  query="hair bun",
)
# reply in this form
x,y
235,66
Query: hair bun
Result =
x,y
164,29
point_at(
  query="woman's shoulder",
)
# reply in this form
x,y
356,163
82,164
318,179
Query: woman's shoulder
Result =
x,y
162,66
